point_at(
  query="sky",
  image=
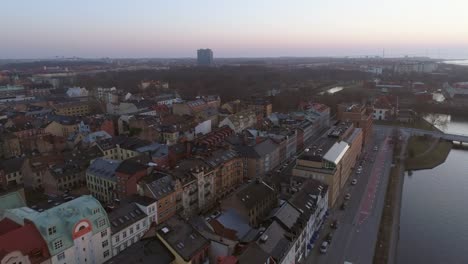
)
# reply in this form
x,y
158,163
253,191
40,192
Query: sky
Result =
x,y
233,28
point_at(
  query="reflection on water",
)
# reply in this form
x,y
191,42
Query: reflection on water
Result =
x,y
433,217
332,90
438,97
449,124
458,62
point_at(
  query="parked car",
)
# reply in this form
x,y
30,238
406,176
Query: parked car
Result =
x,y
354,182
343,205
334,224
376,148
324,247
358,171
347,196
329,237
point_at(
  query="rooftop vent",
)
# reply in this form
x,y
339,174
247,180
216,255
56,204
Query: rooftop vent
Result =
x,y
165,230
264,238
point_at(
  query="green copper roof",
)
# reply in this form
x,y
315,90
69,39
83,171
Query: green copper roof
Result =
x,y
9,201
63,217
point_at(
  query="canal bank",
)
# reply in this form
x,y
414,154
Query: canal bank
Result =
x,y
432,217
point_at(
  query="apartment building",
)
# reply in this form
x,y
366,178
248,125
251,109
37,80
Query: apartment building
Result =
x,y
253,202
75,108
227,168
75,231
185,243
128,225
332,158
101,179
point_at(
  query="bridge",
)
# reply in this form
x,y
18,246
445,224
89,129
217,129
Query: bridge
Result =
x,y
447,136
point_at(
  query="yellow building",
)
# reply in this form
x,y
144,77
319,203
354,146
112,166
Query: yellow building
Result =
x,y
72,109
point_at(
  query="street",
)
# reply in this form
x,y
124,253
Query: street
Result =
x,y
356,236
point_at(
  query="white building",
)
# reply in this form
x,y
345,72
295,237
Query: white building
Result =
x,y
128,224
77,92
75,231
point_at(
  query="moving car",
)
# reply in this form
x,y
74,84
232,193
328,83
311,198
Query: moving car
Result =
x,y
354,182
344,205
334,224
324,247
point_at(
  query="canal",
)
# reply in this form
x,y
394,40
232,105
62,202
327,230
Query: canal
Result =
x,y
433,220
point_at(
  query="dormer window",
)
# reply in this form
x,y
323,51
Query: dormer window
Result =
x,y
96,211
52,230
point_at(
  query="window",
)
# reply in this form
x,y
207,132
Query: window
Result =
x,y
58,244
124,234
117,238
105,243
104,233
106,253
131,230
61,256
96,211
138,226
101,222
52,230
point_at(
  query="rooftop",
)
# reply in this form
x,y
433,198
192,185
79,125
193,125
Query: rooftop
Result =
x,y
182,237
125,215
130,167
104,168
160,184
84,207
253,193
145,251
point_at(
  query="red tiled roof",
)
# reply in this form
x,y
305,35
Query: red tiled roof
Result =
x,y
26,239
6,225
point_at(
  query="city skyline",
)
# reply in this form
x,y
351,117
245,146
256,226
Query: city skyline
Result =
x,y
159,29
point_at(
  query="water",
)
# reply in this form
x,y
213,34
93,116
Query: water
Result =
x,y
433,221
448,124
332,90
458,62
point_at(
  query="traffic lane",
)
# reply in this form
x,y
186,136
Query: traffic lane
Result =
x,y
345,217
362,242
336,250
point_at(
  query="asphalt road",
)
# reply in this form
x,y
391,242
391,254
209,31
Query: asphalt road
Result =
x,y
356,236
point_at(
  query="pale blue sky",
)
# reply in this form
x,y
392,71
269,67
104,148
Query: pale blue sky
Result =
x,y
232,28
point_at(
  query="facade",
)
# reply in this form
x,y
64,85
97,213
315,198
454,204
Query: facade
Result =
x,y
253,202
194,186
61,129
332,159
76,231
204,57
159,187
101,179
128,173
128,225
72,109
11,171
240,121
359,115
259,159
227,168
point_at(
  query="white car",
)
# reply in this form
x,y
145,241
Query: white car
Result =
x,y
358,171
324,247
354,182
